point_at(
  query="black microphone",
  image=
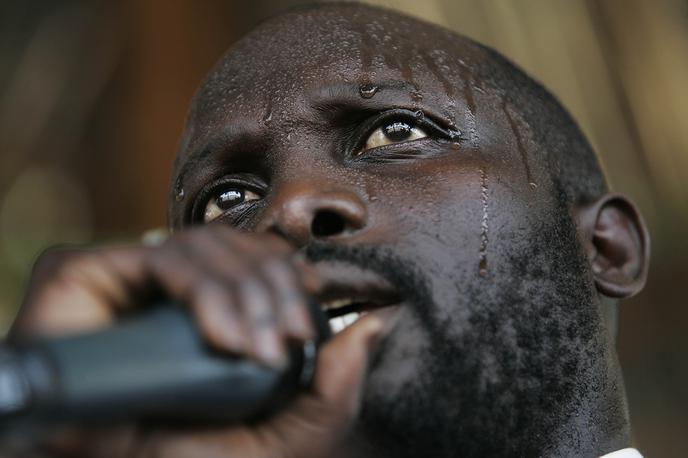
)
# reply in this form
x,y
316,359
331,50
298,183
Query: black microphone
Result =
x,y
154,365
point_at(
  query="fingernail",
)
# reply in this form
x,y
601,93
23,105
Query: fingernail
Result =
x,y
300,325
234,341
271,351
310,278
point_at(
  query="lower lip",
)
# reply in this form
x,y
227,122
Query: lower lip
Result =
x,y
340,323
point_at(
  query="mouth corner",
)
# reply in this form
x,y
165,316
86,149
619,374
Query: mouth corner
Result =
x,y
343,312
350,291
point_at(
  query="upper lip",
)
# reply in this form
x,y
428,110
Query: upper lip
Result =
x,y
364,289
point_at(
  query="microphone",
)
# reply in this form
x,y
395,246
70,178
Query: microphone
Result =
x,y
152,366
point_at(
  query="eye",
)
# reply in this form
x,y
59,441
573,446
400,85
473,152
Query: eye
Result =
x,y
224,199
395,131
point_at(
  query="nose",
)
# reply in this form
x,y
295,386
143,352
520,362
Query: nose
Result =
x,y
310,213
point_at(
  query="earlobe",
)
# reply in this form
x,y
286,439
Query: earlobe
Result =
x,y
617,243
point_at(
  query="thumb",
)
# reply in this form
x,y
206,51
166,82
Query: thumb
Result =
x,y
343,361
316,423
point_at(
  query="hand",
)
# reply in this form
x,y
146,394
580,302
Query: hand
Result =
x,y
316,425
246,292
248,296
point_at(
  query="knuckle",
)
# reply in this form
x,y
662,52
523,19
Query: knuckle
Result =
x,y
286,280
210,231
265,319
180,238
253,289
274,268
214,334
157,257
166,257
62,265
240,271
221,229
53,258
206,290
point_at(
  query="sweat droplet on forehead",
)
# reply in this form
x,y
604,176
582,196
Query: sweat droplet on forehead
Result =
x,y
367,90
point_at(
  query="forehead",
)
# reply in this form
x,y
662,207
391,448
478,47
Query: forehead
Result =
x,y
307,54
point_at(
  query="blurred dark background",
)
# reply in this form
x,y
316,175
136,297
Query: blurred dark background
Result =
x,y
93,96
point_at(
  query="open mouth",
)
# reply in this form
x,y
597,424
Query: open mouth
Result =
x,y
345,311
350,292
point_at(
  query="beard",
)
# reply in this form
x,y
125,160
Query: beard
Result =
x,y
507,374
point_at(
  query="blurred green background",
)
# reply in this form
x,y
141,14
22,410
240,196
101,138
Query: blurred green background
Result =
x,y
93,96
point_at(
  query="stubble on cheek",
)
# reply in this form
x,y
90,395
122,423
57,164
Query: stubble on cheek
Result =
x,y
499,379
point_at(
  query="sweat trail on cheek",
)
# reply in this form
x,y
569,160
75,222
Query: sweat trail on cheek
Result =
x,y
484,225
469,97
519,143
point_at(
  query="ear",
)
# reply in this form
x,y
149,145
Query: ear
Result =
x,y
617,243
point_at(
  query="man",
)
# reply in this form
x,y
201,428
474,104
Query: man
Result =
x,y
383,165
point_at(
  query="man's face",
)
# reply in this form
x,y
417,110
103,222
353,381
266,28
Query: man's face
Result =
x,y
368,144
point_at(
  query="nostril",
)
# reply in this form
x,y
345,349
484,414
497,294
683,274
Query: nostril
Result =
x,y
327,223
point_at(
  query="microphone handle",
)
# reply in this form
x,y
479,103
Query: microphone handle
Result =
x,y
154,365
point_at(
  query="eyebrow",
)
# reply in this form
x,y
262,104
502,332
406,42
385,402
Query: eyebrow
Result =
x,y
228,138
348,90
347,97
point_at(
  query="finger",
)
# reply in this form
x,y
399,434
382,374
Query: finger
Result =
x,y
174,271
255,246
218,317
308,275
342,362
210,299
232,264
213,443
274,246
290,300
255,301
316,424
79,290
284,281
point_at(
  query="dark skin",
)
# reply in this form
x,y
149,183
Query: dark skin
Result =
x,y
494,293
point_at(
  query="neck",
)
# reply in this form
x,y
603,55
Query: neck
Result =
x,y
598,422
597,428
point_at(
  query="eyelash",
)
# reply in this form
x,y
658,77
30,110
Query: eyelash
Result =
x,y
241,211
417,118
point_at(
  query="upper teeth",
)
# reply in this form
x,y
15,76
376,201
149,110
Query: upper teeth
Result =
x,y
341,322
337,303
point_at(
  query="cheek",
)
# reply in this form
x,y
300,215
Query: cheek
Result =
x,y
435,212
459,223
433,218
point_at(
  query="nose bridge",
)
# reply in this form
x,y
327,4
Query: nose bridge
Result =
x,y
315,209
